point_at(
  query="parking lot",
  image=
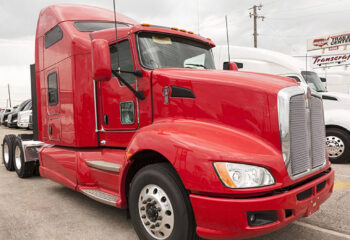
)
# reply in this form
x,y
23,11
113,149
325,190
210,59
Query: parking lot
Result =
x,y
37,208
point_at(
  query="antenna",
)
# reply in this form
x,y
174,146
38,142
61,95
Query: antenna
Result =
x,y
116,34
228,42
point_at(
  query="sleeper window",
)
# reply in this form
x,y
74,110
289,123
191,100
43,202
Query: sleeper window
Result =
x,y
52,89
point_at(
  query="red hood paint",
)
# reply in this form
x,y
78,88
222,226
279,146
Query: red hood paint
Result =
x,y
243,101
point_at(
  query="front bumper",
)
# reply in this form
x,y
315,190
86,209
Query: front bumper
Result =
x,y
223,218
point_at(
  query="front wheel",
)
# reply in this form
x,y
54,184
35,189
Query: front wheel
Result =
x,y
159,205
338,145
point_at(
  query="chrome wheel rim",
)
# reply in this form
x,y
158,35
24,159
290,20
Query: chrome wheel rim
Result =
x,y
156,211
18,158
335,146
6,153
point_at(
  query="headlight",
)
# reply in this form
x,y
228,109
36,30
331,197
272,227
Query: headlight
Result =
x,y
237,175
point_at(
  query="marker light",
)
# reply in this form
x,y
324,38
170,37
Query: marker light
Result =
x,y
237,175
190,32
145,24
174,28
183,30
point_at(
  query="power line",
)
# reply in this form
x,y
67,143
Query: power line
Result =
x,y
256,17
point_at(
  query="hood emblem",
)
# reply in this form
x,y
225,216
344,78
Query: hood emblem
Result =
x,y
166,92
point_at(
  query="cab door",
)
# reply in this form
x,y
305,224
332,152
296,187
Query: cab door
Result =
x,y
119,106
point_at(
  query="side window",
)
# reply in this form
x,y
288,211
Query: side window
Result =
x,y
125,60
295,78
52,89
53,36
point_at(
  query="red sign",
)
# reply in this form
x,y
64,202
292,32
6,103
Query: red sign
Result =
x,y
342,59
320,42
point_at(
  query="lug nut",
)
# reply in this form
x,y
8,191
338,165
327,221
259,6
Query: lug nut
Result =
x,y
143,208
143,216
144,202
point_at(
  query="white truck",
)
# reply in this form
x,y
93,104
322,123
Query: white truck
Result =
x,y
336,105
337,80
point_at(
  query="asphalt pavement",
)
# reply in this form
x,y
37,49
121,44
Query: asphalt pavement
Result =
x,y
37,208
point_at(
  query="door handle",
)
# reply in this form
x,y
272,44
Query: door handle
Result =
x,y
105,119
50,130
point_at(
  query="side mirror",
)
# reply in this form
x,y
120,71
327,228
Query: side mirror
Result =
x,y
101,60
230,66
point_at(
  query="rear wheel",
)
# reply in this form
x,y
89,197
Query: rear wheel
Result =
x,y
338,145
7,151
159,205
23,169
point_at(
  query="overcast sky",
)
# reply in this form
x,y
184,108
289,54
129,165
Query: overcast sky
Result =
x,y
287,26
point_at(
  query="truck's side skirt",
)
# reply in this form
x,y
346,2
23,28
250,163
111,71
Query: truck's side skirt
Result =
x,y
94,172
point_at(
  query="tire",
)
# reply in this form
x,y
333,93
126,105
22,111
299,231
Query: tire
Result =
x,y
338,145
23,169
158,185
7,151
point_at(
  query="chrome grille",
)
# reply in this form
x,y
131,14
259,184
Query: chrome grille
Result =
x,y
299,147
302,130
318,133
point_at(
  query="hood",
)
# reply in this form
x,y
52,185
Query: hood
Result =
x,y
335,96
240,100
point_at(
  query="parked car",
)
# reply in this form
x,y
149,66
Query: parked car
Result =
x,y
2,112
5,114
12,117
336,105
23,116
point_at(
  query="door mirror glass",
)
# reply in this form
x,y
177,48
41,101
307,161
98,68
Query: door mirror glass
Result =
x,y
101,60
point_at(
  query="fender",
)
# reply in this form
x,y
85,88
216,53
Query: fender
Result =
x,y
192,147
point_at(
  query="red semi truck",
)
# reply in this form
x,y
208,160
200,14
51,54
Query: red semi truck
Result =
x,y
145,122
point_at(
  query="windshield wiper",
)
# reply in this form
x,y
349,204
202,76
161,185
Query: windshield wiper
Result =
x,y
196,65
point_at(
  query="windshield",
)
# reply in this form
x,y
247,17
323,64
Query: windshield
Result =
x,y
313,81
169,51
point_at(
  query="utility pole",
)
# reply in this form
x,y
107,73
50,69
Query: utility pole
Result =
x,y
228,42
8,88
255,18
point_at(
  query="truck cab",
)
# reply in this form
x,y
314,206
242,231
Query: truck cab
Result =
x,y
137,117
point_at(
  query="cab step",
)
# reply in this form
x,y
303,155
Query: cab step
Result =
x,y
100,196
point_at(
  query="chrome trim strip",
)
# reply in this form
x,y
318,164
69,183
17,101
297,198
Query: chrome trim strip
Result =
x,y
103,165
95,106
